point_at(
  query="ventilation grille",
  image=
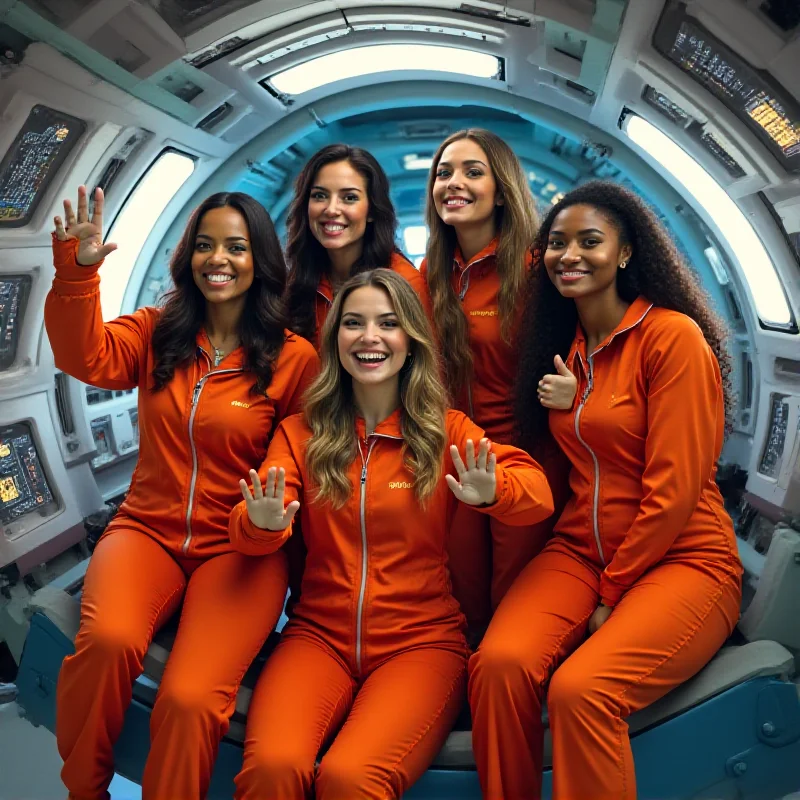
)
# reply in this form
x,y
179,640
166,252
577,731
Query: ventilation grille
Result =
x,y
714,146
215,117
661,103
63,406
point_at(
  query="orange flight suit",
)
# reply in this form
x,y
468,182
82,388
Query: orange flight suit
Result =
x,y
376,641
399,264
169,539
485,554
644,532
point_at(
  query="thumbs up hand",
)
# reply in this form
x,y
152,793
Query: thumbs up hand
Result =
x,y
558,391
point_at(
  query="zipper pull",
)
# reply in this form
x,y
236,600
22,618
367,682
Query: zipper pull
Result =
x,y
196,392
363,474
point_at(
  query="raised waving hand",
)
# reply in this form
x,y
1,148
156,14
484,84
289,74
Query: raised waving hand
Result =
x,y
476,484
88,232
558,391
266,507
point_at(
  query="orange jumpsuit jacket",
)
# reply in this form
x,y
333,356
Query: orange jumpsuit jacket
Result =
x,y
376,581
198,434
643,438
399,264
489,397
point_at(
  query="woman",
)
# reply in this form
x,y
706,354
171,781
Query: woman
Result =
x,y
644,558
376,644
482,221
216,371
341,222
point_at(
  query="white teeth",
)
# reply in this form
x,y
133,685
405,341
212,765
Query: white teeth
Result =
x,y
573,274
219,278
456,202
333,228
371,356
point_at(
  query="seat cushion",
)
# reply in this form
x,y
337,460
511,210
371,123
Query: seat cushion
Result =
x,y
731,666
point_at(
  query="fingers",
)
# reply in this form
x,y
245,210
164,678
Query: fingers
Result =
x,y
457,462
97,215
105,249
61,234
291,510
256,481
491,467
455,486
69,214
483,454
245,490
83,205
280,489
470,452
561,367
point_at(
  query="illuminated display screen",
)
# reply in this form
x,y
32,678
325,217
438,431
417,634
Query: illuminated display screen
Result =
x,y
755,98
32,162
14,290
23,484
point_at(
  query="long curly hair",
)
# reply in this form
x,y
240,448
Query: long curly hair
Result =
x,y
516,222
307,259
263,322
656,270
330,409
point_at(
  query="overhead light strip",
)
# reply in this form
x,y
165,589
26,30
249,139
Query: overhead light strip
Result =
x,y
373,59
754,260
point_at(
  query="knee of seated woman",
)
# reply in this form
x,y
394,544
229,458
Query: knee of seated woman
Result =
x,y
340,775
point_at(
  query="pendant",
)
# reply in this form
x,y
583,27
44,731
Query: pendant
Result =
x,y
218,356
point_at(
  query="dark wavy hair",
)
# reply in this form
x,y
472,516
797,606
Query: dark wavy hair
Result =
x,y
656,270
307,259
263,322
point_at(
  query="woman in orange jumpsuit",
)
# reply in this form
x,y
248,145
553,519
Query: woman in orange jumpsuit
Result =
x,y
375,649
216,371
643,560
482,221
340,222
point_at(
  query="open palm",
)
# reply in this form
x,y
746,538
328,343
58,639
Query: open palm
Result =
x,y
89,233
265,506
477,483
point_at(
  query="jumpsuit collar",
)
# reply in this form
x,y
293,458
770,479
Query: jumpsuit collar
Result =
x,y
392,426
458,258
636,312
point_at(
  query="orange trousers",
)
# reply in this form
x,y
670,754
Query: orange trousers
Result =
x,y
395,723
485,556
133,585
664,630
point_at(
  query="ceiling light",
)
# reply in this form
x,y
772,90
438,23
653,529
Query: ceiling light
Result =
x,y
413,161
754,261
360,61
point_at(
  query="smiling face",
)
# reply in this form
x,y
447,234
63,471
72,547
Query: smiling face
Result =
x,y
465,191
338,207
584,252
372,345
222,259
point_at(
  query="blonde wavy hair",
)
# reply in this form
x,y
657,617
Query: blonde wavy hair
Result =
x,y
517,223
330,408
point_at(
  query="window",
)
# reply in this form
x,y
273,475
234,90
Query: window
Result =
x,y
372,59
415,239
754,261
14,291
135,222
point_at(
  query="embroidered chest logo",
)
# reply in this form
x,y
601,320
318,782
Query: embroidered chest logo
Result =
x,y
484,313
240,404
400,485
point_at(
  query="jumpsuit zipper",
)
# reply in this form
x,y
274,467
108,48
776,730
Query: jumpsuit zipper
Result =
x,y
198,388
462,291
363,588
586,392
